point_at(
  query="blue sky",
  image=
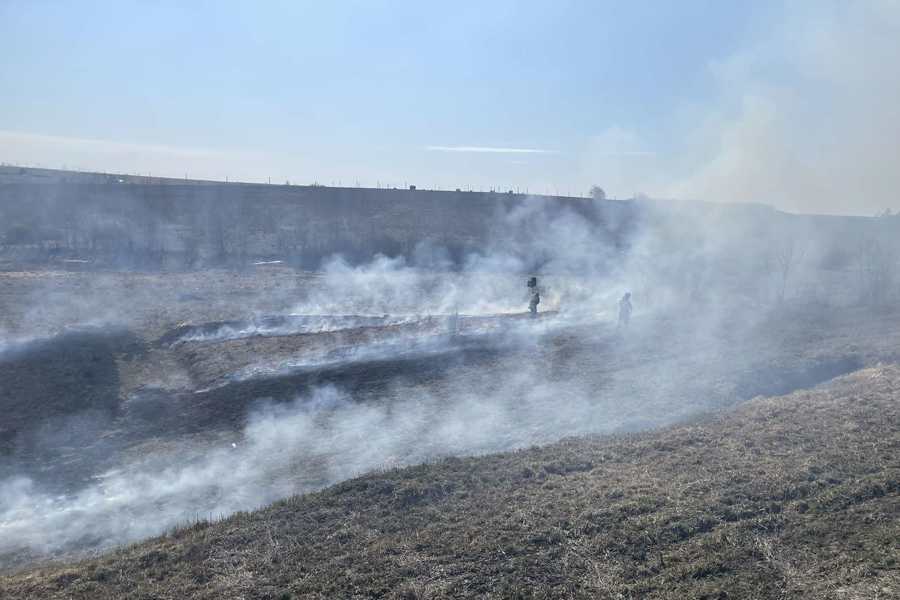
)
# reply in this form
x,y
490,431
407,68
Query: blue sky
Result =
x,y
634,96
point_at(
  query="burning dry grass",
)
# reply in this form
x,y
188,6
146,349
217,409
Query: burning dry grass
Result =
x,y
794,496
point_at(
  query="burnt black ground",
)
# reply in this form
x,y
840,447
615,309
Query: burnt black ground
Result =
x,y
69,416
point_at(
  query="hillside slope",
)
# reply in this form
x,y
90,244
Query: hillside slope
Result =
x,y
794,496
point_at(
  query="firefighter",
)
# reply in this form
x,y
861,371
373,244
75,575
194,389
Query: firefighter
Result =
x,y
535,298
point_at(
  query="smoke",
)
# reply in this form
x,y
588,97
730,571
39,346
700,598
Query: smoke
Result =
x,y
319,439
696,271
327,435
801,116
806,118
268,325
536,236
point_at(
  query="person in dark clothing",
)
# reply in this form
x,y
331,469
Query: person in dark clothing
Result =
x,y
533,303
535,298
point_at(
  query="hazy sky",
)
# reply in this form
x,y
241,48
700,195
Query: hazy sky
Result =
x,y
793,104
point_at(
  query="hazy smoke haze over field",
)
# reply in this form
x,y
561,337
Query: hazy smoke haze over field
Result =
x,y
681,262
790,104
806,118
417,345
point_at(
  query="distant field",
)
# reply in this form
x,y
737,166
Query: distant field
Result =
x,y
42,302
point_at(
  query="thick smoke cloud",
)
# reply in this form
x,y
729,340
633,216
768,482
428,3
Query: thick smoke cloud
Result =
x,y
534,237
806,118
284,449
331,435
322,438
681,262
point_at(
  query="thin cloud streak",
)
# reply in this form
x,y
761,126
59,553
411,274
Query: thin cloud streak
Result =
x,y
489,150
629,153
632,153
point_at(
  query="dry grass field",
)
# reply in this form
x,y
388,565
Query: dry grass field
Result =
x,y
787,497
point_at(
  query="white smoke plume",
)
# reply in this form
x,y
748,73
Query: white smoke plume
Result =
x,y
317,440
691,268
806,118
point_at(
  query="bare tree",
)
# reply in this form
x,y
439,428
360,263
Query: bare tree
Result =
x,y
597,193
784,258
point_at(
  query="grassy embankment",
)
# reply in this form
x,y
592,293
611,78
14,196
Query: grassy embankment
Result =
x,y
794,496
